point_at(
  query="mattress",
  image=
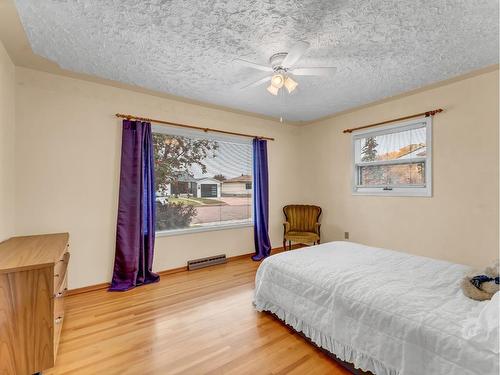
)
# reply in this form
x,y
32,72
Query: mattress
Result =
x,y
385,311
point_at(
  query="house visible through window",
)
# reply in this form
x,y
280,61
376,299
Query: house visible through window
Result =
x,y
394,160
203,181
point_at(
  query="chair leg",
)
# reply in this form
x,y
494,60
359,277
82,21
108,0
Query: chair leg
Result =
x,y
290,245
284,245
318,242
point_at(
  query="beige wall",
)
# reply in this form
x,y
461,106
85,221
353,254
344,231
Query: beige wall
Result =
x,y
67,169
67,154
7,123
460,222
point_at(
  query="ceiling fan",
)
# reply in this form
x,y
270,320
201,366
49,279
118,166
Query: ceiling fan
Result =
x,y
282,65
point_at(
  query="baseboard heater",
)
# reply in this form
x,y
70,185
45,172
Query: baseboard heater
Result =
x,y
206,262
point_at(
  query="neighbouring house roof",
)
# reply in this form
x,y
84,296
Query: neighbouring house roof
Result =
x,y
207,179
244,178
186,177
419,152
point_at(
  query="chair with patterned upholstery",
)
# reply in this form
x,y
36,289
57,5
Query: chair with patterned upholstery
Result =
x,y
302,224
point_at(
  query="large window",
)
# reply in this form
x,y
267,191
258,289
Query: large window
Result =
x,y
203,181
394,160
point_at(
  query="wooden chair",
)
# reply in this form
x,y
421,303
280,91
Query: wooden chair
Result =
x,y
302,224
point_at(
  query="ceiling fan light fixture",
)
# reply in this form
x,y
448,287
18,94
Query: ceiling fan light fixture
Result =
x,y
290,84
277,81
273,89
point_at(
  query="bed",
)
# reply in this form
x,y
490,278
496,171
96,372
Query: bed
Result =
x,y
384,311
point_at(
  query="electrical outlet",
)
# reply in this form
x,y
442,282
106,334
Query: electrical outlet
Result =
x,y
346,235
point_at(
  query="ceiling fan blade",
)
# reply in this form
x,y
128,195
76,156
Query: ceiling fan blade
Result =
x,y
253,83
314,71
295,53
253,65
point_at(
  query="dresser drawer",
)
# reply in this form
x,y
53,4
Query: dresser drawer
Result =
x,y
59,314
59,305
60,270
58,322
62,287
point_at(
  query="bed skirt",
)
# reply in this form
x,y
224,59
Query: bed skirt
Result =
x,y
342,352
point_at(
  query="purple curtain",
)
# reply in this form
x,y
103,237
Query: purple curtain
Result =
x,y
135,229
261,200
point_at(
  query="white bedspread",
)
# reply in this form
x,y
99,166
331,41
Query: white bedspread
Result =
x,y
384,311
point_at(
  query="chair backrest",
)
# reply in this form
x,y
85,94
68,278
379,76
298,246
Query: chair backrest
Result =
x,y
302,217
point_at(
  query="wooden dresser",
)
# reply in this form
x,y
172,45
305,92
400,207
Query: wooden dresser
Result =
x,y
33,281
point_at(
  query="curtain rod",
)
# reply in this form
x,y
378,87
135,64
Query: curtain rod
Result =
x,y
426,114
132,117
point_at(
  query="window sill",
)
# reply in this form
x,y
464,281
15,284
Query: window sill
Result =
x,y
395,193
177,232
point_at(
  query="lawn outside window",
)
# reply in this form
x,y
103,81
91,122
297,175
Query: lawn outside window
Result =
x,y
394,160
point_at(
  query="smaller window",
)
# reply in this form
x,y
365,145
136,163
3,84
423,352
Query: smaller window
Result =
x,y
394,160
248,186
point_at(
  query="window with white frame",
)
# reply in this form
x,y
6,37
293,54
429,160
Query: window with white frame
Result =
x,y
202,180
394,160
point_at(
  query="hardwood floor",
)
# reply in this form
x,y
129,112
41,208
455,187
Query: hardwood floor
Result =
x,y
197,322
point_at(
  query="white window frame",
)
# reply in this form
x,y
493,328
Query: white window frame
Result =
x,y
175,131
395,191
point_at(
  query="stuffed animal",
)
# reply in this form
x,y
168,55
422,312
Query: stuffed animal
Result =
x,y
483,285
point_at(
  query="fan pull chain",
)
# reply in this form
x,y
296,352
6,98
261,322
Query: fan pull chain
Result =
x,y
283,105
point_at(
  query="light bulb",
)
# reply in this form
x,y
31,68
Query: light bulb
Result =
x,y
277,81
290,84
273,90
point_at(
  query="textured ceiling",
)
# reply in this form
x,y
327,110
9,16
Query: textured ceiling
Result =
x,y
185,48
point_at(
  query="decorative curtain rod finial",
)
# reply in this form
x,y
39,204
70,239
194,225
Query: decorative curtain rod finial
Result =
x,y
433,112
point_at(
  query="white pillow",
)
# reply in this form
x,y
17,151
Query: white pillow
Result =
x,y
483,330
